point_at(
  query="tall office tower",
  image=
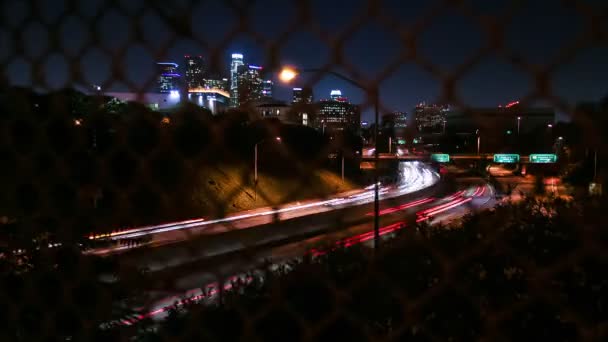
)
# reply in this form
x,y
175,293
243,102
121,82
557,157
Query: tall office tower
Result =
x,y
267,86
337,114
237,61
194,71
168,77
250,84
302,95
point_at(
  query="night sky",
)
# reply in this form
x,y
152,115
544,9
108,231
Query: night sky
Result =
x,y
537,32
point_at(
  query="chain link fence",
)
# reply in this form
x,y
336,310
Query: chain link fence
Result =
x,y
82,174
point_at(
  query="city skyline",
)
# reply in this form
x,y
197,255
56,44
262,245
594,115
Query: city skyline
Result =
x,y
538,32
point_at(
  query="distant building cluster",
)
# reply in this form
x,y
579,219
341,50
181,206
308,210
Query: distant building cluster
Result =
x,y
430,118
244,85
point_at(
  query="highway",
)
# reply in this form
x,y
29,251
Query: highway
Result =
x,y
190,253
414,176
401,214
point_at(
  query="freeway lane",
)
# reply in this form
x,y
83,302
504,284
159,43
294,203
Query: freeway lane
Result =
x,y
400,216
414,176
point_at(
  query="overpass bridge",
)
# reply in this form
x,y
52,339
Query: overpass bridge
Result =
x,y
482,156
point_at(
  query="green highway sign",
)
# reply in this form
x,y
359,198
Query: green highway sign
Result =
x,y
543,158
506,158
440,157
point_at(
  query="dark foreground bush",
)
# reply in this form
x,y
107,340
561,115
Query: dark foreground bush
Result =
x,y
535,271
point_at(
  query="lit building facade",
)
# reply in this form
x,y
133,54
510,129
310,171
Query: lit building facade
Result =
x,y
269,108
250,84
430,118
337,114
236,63
168,77
216,83
267,87
194,71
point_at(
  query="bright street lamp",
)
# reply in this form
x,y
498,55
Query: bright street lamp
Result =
x,y
287,74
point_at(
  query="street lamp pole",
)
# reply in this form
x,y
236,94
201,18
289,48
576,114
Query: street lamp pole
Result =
x,y
255,173
255,158
518,122
342,167
255,166
287,74
376,185
594,164
478,141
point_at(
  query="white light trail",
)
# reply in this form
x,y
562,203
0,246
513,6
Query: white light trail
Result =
x,y
414,176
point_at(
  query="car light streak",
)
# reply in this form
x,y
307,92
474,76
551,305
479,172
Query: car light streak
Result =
x,y
403,206
360,238
451,205
414,176
423,212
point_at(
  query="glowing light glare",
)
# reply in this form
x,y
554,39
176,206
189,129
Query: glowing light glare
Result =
x,y
335,93
174,94
288,74
511,104
168,63
237,55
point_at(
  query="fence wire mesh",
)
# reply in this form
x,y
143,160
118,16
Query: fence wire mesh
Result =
x,y
82,174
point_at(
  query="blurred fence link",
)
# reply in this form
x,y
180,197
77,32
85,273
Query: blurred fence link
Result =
x,y
78,167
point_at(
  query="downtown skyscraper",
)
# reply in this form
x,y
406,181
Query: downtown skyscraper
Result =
x,y
194,71
250,84
237,61
168,77
338,114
